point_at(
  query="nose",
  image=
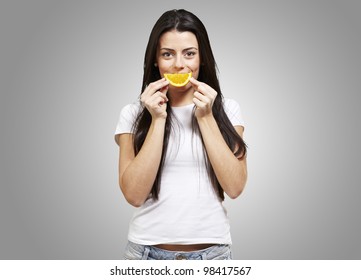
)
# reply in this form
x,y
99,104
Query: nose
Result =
x,y
179,63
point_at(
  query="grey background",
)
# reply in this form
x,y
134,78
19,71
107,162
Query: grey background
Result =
x,y
68,67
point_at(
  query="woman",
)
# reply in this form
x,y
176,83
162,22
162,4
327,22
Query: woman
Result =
x,y
181,149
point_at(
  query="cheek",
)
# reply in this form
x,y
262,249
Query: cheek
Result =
x,y
164,67
195,72
194,67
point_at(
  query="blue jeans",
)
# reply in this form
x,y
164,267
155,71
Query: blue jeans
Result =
x,y
135,251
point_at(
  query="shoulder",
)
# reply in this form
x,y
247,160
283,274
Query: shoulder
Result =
x,y
127,117
130,112
230,104
131,109
233,111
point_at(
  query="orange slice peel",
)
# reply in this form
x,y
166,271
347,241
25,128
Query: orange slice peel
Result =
x,y
178,79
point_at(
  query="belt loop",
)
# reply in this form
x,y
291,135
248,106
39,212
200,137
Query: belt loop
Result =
x,y
145,253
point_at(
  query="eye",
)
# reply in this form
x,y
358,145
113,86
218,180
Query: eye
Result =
x,y
190,53
166,54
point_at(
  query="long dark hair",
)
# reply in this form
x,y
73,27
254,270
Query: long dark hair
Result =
x,y
182,20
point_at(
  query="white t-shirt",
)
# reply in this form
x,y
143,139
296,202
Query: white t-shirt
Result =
x,y
188,210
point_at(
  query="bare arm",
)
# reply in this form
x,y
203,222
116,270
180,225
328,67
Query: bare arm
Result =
x,y
231,172
137,173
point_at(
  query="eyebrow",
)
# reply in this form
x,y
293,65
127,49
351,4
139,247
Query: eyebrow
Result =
x,y
186,49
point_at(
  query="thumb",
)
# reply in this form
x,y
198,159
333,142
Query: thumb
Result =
x,y
164,89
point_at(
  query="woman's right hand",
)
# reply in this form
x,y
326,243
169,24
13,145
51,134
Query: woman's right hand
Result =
x,y
155,99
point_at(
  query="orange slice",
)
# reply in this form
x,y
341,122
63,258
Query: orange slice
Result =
x,y
178,79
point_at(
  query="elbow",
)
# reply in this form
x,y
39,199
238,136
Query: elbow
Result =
x,y
133,201
236,183
132,198
237,188
235,193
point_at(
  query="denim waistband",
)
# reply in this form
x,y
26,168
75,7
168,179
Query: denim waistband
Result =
x,y
146,252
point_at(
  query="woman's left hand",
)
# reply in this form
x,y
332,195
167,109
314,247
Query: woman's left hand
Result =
x,y
204,97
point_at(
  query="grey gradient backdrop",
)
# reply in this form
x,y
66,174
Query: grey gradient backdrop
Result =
x,y
67,68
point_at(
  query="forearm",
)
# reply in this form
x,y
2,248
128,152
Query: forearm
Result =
x,y
139,176
231,172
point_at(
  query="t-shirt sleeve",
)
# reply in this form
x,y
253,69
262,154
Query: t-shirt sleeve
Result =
x,y
234,113
126,120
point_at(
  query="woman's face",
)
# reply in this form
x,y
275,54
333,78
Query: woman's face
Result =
x,y
178,53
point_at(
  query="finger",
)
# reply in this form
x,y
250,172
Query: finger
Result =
x,y
202,97
157,101
202,87
157,98
164,89
194,81
155,86
152,88
198,103
163,95
207,97
195,84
